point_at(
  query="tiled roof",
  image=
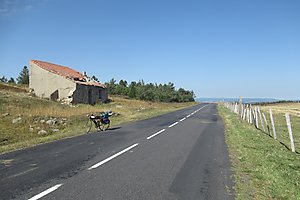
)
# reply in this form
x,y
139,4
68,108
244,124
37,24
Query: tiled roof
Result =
x,y
66,72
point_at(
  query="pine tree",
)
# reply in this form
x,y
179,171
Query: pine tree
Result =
x,y
11,80
3,79
23,76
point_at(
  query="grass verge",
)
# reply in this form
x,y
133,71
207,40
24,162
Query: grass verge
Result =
x,y
263,168
26,121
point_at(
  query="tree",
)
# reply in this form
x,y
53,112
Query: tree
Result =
x,y
23,76
132,90
123,83
111,86
3,79
11,80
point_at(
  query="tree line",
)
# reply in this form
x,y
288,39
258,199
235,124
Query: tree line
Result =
x,y
23,77
150,91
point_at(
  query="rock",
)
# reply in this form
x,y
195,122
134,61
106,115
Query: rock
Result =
x,y
5,114
17,120
42,121
55,130
51,121
31,129
118,106
62,121
42,132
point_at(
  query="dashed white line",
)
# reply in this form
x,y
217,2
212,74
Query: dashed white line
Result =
x,y
173,124
45,192
155,134
203,107
112,157
182,119
48,191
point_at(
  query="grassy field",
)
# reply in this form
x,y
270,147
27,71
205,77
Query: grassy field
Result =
x,y
26,119
263,168
279,111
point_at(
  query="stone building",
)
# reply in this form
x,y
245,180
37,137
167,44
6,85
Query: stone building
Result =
x,y
62,83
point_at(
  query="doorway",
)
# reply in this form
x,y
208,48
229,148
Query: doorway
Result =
x,y
90,97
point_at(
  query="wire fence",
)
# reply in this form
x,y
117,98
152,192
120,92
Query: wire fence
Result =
x,y
281,126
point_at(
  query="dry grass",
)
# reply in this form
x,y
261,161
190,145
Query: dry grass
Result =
x,y
70,120
292,108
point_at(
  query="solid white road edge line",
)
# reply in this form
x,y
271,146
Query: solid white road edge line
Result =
x,y
45,192
155,134
112,157
173,124
182,119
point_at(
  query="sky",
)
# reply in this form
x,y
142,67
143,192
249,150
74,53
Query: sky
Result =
x,y
216,48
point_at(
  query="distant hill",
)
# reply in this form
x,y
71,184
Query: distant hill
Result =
x,y
245,100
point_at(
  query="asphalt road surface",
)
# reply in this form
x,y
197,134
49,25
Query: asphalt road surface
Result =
x,y
180,155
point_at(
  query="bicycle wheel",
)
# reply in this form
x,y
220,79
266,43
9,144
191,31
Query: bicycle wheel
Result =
x,y
104,127
88,125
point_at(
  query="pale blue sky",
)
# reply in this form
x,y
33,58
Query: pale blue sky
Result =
x,y
247,48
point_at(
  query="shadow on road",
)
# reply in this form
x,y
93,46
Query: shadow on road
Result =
x,y
114,128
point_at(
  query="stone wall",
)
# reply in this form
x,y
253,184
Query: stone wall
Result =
x,y
89,94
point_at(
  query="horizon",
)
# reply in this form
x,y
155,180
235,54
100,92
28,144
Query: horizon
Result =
x,y
248,98
213,48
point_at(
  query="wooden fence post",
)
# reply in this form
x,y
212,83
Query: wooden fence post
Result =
x,y
235,108
240,106
250,113
288,123
261,120
256,118
266,122
273,125
242,111
247,114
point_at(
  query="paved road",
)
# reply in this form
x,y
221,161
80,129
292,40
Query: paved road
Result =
x,y
180,155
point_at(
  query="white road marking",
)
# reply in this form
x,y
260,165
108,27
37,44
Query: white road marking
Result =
x,y
159,132
203,107
22,173
196,111
112,157
173,124
182,119
45,192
